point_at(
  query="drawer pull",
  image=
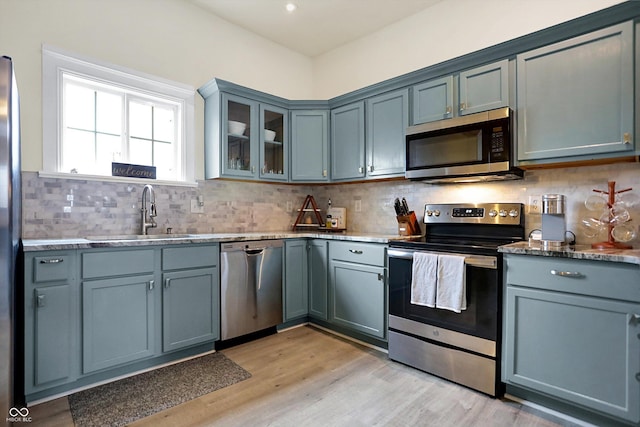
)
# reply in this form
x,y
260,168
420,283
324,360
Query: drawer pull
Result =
x,y
573,274
51,261
355,251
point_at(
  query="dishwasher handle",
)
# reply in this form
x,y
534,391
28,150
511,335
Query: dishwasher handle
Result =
x,y
254,252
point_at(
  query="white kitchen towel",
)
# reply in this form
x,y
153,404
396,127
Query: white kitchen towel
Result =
x,y
423,279
451,286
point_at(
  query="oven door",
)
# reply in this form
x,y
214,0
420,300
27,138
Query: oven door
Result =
x,y
482,315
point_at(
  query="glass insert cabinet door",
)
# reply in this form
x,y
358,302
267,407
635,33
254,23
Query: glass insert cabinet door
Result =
x,y
273,142
239,136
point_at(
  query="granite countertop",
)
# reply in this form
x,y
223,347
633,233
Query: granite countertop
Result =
x,y
176,239
631,256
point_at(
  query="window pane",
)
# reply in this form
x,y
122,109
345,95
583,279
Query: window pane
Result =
x,y
109,111
140,152
163,124
79,107
165,161
139,120
108,150
78,151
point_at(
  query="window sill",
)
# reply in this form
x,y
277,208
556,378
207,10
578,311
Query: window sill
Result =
x,y
104,178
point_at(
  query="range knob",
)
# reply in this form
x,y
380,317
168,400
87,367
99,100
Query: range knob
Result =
x,y
436,212
493,213
502,213
429,213
513,213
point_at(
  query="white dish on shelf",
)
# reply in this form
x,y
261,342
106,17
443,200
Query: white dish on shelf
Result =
x,y
269,135
236,128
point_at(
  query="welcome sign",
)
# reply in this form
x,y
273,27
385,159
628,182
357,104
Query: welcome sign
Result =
x,y
133,171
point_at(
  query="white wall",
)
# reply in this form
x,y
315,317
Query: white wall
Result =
x,y
172,39
448,29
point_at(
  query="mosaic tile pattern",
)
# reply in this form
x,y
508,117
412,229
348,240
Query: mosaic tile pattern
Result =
x,y
104,208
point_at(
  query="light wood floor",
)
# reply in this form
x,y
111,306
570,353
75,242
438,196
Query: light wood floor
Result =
x,y
307,377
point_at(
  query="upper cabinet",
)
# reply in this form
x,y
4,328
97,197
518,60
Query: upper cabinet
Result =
x,y
310,145
244,137
367,137
387,118
471,91
575,98
347,142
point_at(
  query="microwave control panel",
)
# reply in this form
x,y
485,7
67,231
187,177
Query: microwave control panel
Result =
x,y
498,152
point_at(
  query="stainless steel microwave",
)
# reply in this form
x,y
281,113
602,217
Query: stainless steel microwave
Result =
x,y
472,148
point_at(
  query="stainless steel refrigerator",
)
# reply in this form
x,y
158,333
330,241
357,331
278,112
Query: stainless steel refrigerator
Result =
x,y
10,230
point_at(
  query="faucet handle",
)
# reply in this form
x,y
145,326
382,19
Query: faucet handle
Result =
x,y
152,211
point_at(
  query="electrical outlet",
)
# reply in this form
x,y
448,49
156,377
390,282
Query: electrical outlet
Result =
x,y
195,206
358,206
535,204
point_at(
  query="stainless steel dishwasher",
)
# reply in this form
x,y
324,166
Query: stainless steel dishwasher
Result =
x,y
251,286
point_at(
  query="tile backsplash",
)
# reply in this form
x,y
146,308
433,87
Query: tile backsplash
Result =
x,y
54,207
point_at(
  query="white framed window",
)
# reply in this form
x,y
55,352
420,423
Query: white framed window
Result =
x,y
95,114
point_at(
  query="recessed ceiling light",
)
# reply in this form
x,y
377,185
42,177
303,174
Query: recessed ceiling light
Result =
x,y
291,7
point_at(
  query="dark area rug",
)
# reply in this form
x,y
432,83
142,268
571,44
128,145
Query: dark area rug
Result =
x,y
129,399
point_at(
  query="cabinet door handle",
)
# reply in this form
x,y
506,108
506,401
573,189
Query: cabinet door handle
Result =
x,y
360,169
51,261
253,169
167,283
370,168
41,300
635,318
151,284
463,106
355,251
574,274
380,276
626,138
448,110
324,172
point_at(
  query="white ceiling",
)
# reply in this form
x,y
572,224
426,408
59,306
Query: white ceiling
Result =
x,y
316,26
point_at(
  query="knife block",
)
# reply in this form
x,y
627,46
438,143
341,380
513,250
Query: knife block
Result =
x,y
408,225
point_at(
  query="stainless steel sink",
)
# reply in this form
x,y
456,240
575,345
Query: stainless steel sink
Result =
x,y
140,237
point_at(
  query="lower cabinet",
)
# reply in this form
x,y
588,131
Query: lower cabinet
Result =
x,y
296,282
118,321
97,313
318,278
189,308
358,287
574,336
51,319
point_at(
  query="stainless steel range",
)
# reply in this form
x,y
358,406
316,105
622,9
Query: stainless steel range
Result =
x,y
463,346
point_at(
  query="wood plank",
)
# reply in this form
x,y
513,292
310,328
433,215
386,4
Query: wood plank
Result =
x,y
305,376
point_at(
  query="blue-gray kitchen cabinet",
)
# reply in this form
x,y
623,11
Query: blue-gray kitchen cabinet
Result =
x,y
309,146
576,98
296,279
572,332
318,278
387,118
274,150
348,142
51,320
190,296
358,287
471,91
238,147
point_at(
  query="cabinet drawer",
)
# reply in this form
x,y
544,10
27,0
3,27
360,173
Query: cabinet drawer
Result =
x,y
117,263
361,253
190,257
597,278
51,268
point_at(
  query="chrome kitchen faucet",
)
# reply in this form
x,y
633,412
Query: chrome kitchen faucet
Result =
x,y
148,189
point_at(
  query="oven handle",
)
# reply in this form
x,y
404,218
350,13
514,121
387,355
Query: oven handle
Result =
x,y
480,261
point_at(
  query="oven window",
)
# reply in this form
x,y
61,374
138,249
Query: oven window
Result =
x,y
479,319
443,150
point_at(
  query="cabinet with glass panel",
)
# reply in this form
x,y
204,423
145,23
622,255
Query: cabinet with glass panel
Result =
x,y
245,137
